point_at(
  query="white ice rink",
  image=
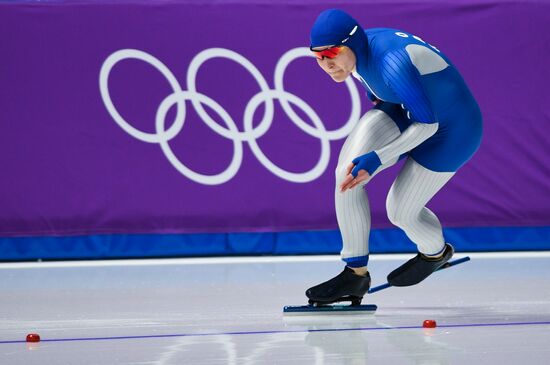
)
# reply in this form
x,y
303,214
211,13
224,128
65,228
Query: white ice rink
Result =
x,y
494,309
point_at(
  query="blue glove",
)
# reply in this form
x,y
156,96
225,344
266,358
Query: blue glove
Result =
x,y
368,162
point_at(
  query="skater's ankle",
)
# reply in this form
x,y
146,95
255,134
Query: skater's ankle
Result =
x,y
361,271
433,257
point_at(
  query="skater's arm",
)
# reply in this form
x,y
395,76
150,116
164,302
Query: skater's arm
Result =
x,y
411,137
364,166
402,77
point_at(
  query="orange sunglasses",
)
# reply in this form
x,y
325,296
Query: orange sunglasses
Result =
x,y
328,52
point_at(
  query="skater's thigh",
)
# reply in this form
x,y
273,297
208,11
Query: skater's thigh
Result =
x,y
373,131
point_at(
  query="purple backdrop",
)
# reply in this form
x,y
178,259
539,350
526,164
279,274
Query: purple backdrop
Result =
x,y
67,167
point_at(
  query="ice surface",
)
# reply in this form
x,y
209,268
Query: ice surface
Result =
x,y
491,310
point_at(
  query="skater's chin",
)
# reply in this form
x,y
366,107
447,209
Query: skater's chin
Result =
x,y
340,76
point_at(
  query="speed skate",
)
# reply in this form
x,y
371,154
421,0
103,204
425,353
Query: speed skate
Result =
x,y
332,306
325,298
323,309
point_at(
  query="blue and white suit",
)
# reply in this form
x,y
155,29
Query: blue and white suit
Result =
x,y
425,112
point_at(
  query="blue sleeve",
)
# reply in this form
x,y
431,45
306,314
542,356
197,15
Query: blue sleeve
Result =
x,y
403,78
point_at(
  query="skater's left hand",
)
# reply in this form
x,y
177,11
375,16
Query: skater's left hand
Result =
x,y
350,181
360,169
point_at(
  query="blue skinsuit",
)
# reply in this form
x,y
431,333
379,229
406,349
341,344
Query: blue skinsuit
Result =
x,y
415,82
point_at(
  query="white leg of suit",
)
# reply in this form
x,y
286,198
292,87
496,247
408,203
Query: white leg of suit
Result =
x,y
374,130
406,205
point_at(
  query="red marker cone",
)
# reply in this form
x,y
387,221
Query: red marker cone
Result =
x,y
33,337
429,323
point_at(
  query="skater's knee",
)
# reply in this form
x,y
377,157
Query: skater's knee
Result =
x,y
403,219
398,215
395,215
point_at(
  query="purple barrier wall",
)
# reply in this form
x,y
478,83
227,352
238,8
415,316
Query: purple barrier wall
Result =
x,y
186,116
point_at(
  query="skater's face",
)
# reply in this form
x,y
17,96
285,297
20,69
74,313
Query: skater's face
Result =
x,y
338,62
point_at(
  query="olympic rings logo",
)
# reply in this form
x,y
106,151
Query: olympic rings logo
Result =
x,y
250,134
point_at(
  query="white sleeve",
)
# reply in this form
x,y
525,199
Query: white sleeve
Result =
x,y
411,137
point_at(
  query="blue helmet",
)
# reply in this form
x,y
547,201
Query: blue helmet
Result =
x,y
336,27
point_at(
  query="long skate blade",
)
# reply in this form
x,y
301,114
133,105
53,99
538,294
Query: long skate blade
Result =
x,y
290,310
445,266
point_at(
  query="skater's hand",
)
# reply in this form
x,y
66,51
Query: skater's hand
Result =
x,y
360,169
351,181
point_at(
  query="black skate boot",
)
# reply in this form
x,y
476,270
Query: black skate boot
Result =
x,y
418,268
346,286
